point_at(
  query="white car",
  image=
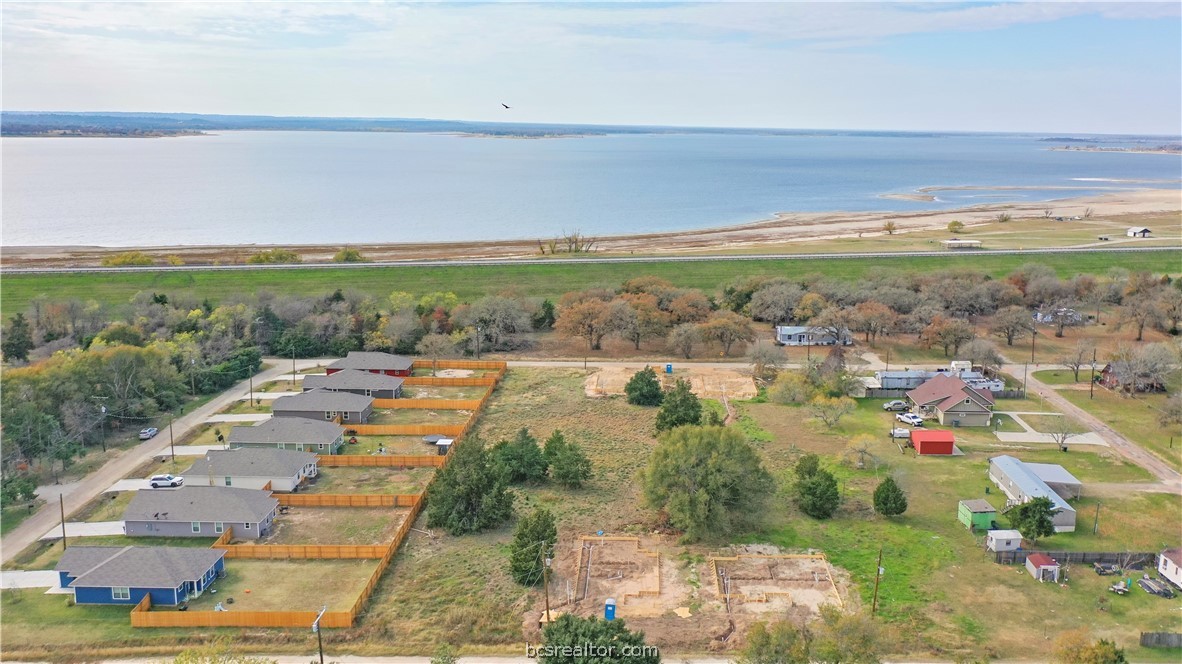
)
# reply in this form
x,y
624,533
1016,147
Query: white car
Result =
x,y
158,481
910,418
150,432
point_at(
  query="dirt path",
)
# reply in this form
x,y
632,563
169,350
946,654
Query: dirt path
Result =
x,y
1171,480
97,482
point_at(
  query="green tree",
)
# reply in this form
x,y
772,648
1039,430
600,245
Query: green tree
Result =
x,y
1033,519
570,467
18,340
543,318
807,466
567,638
468,494
779,643
643,388
708,480
889,499
348,255
817,495
841,638
17,488
680,407
955,226
533,542
520,459
830,410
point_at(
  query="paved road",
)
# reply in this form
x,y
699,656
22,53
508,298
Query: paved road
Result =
x,y
582,261
1169,477
97,482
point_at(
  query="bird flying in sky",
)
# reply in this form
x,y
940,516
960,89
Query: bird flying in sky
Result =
x,y
504,104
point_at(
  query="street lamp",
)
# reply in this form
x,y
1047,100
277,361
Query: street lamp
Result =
x,y
479,333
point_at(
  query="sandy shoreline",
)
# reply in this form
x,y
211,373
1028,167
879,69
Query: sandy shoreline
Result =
x,y
785,227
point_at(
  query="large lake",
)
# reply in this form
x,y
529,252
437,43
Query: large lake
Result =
x,y
325,187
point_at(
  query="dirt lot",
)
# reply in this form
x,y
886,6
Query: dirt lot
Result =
x,y
796,585
336,525
346,479
706,382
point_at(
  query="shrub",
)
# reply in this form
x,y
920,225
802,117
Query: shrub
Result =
x,y
274,256
468,494
127,259
644,389
520,459
889,499
955,226
348,255
817,495
533,542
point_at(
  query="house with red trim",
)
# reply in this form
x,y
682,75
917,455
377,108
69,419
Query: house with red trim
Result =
x,y
373,362
951,401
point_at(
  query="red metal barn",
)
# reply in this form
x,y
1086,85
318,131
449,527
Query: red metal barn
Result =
x,y
932,442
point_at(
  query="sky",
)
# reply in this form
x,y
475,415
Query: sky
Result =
x,y
1038,67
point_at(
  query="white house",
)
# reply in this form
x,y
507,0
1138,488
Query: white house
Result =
x,y
800,335
1003,540
1169,565
1138,231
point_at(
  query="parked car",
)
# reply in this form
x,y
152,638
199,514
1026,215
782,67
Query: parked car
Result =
x,y
150,432
159,481
896,405
910,418
900,432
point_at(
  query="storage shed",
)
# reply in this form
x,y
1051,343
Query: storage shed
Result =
x,y
1138,231
1042,567
976,514
1003,540
932,442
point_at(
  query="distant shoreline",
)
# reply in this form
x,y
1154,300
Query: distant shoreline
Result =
x,y
1161,149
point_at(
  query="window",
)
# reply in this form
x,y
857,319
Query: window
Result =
x,y
219,527
227,480
246,526
121,593
968,401
321,446
196,526
283,446
346,416
328,414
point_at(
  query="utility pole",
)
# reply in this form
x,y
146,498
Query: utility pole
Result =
x,y
293,371
103,422
1092,382
1025,368
1033,336
877,578
250,377
61,503
888,360
479,333
192,378
1096,524
316,629
546,586
170,440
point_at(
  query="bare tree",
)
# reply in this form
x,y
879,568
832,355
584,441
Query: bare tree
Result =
x,y
435,346
1061,430
766,359
1139,311
1012,323
1079,356
683,338
830,410
890,227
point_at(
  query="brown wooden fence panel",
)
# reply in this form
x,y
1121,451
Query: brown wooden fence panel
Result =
x,y
304,551
428,404
405,429
382,461
347,500
439,381
460,364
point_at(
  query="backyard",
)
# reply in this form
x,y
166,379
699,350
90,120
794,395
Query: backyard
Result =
x,y
404,445
443,392
346,479
287,585
419,416
334,525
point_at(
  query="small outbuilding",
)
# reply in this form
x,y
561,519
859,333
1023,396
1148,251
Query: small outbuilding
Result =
x,y
1003,540
1138,231
1042,567
932,442
957,243
976,514
1169,565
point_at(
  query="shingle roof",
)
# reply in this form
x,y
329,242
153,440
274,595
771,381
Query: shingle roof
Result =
x,y
1041,560
146,566
321,399
201,503
79,559
287,430
370,360
978,506
251,462
352,379
1030,484
1174,556
945,391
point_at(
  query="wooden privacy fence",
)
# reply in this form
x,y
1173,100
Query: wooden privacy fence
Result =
x,y
450,430
429,404
1161,640
304,551
439,381
1125,559
382,461
143,616
395,543
461,364
348,499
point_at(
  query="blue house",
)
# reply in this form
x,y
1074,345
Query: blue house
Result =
x,y
124,575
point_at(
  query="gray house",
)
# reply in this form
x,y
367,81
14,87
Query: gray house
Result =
x,y
951,401
325,405
1022,483
373,362
378,386
290,433
200,511
799,335
252,468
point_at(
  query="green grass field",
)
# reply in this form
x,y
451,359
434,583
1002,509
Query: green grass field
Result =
x,y
1135,419
470,282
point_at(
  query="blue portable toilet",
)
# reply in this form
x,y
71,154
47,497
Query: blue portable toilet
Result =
x,y
668,368
609,609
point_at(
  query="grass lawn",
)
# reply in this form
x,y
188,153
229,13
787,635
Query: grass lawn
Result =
x,y
419,416
109,507
1054,423
547,280
244,407
1007,424
45,553
391,444
335,525
1135,419
288,585
371,480
1063,376
434,392
11,517
206,434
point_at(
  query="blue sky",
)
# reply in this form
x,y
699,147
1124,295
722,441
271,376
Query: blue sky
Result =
x,y
1047,66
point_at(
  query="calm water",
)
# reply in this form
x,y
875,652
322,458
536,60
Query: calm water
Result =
x,y
311,187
